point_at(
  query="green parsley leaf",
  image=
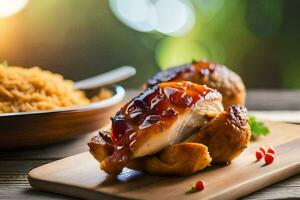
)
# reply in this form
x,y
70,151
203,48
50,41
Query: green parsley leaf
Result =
x,y
257,127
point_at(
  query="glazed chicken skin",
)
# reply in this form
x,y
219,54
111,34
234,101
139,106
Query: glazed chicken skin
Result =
x,y
216,76
172,128
162,115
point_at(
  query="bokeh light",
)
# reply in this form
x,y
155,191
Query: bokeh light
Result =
x,y
207,9
175,51
134,13
264,17
251,37
11,7
173,17
170,17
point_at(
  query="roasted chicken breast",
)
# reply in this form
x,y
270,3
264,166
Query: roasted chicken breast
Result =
x,y
216,76
172,128
162,115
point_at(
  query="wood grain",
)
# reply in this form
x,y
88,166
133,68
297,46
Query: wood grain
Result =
x,y
79,175
19,162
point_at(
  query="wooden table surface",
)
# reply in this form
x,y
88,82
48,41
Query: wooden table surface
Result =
x,y
15,165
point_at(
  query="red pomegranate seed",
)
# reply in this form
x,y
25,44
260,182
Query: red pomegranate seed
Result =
x,y
271,150
200,185
269,158
263,149
259,154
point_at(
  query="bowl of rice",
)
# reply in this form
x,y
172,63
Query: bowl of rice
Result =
x,y
40,107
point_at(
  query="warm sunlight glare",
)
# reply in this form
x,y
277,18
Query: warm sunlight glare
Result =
x,y
170,17
11,7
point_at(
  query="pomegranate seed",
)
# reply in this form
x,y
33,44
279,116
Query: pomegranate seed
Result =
x,y
200,185
263,149
271,150
269,158
259,154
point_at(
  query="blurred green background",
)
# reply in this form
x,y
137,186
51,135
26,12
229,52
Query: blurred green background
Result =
x,y
259,39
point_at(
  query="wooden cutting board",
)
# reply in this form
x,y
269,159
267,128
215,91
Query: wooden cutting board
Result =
x,y
79,175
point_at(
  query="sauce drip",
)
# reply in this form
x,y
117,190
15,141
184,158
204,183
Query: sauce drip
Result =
x,y
157,105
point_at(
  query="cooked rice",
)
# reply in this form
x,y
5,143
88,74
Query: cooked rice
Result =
x,y
103,94
33,89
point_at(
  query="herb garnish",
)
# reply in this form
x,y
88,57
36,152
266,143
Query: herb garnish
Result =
x,y
257,127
